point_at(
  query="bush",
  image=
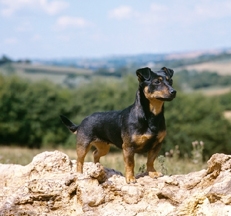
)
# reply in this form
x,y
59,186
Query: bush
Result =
x,y
197,80
29,113
196,117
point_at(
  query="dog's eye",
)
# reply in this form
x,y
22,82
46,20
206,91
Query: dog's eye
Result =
x,y
157,81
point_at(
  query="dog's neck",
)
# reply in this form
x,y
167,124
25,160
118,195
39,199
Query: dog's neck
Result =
x,y
150,112
156,106
153,106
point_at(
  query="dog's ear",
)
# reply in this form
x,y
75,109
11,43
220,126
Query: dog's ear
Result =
x,y
143,74
168,71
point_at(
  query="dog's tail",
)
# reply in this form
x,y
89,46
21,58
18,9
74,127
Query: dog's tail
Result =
x,y
70,125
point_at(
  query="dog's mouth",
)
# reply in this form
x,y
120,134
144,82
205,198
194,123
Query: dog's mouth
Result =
x,y
170,97
165,99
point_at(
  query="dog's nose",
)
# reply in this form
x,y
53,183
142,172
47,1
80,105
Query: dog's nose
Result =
x,y
172,92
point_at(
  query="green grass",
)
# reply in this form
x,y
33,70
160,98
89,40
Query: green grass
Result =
x,y
170,164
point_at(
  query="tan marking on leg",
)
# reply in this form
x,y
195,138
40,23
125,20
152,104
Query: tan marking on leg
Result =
x,y
129,165
81,153
161,135
101,150
152,155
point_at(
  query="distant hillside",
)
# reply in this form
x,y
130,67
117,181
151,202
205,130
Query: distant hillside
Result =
x,y
189,60
35,72
221,67
71,71
219,62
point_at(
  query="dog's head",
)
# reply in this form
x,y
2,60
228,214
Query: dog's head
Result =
x,y
158,84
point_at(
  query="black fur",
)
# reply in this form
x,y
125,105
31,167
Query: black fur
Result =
x,y
138,128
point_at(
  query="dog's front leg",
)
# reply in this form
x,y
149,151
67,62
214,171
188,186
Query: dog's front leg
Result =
x,y
152,155
128,154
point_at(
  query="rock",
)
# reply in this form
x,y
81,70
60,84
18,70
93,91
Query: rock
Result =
x,y
49,185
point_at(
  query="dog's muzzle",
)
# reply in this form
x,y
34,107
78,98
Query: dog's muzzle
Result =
x,y
172,92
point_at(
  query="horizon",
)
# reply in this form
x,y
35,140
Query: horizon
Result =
x,y
171,55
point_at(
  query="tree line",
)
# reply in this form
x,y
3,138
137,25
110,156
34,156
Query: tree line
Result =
x,y
29,113
196,80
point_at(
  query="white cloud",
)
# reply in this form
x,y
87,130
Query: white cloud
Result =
x,y
156,8
122,12
214,9
161,15
53,7
36,37
68,21
9,7
24,27
156,15
11,41
65,38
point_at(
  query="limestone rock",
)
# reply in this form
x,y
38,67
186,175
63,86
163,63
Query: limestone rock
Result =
x,y
49,185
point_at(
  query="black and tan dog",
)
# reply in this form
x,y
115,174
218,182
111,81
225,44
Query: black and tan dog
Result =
x,y
138,128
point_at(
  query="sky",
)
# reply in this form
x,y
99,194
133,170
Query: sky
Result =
x,y
48,29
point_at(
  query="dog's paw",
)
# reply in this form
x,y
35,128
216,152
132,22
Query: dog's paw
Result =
x,y
155,174
130,179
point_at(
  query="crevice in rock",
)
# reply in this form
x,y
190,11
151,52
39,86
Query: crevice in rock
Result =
x,y
165,197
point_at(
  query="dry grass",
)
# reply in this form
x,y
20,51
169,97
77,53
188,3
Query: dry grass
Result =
x,y
227,115
167,165
221,67
213,91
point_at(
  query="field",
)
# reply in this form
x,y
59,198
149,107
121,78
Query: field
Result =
x,y
220,67
36,72
213,91
166,165
227,115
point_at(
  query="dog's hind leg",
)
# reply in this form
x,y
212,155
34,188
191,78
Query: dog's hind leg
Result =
x,y
81,150
101,150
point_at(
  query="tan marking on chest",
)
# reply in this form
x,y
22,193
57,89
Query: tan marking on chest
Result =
x,y
141,139
155,105
161,135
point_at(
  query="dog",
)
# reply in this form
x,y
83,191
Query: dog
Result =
x,y
139,128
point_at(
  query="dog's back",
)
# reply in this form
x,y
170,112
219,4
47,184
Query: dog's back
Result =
x,y
102,126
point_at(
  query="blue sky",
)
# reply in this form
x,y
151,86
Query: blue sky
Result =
x,y
98,28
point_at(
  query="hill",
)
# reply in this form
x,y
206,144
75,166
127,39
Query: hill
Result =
x,y
218,61
36,72
72,71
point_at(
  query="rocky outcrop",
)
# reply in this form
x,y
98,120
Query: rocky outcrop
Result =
x,y
49,185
